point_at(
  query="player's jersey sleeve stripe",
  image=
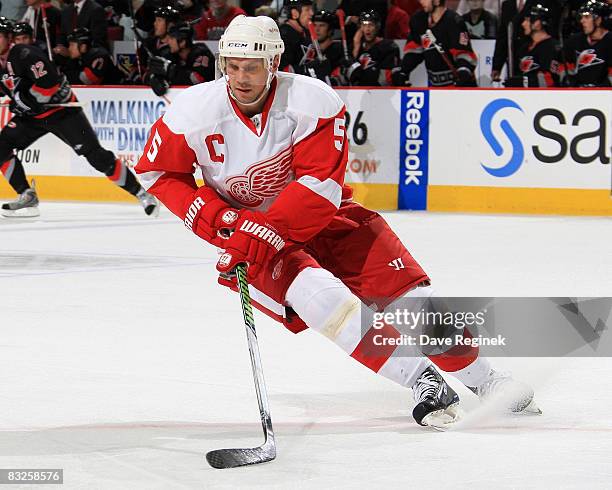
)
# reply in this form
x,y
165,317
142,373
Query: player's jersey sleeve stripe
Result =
x,y
45,92
328,189
148,179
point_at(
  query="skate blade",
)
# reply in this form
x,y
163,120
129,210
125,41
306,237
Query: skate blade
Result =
x,y
442,420
531,409
31,212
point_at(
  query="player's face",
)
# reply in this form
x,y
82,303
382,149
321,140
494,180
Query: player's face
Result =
x,y
159,27
173,44
247,78
526,25
22,39
475,4
5,42
369,31
588,24
305,15
322,30
73,50
427,5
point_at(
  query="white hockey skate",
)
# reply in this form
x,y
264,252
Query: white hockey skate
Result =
x,y
437,403
25,206
149,203
507,393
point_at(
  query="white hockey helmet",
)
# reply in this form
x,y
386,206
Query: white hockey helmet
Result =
x,y
251,37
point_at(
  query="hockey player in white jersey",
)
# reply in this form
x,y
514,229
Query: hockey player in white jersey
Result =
x,y
272,150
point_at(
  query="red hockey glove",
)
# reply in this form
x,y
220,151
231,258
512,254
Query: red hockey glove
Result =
x,y
210,217
255,241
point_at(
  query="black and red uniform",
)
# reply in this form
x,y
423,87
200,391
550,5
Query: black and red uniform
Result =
x,y
330,68
540,64
296,45
375,64
95,67
451,35
34,81
199,67
588,63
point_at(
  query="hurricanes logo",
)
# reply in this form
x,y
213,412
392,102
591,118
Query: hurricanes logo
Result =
x,y
426,41
366,61
588,57
528,64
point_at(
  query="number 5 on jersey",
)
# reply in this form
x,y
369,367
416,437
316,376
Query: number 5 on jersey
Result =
x,y
155,144
339,131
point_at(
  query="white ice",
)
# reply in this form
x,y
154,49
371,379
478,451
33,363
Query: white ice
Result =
x,y
122,362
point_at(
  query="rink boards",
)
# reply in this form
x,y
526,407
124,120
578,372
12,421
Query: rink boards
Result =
x,y
497,151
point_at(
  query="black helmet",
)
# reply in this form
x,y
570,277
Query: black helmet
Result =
x,y
296,4
596,8
539,12
326,16
6,26
167,12
80,35
181,31
369,16
23,28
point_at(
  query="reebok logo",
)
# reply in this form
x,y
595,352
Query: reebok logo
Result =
x,y
196,205
397,264
266,234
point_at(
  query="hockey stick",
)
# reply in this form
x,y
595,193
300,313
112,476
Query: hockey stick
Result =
x,y
341,20
65,104
46,30
440,50
231,458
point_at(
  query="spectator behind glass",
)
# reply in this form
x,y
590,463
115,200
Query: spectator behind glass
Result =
x,y
398,21
294,33
480,23
84,13
33,16
216,19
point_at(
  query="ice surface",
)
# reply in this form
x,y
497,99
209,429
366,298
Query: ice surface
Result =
x,y
123,362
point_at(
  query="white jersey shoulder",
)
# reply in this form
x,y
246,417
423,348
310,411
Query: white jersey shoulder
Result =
x,y
198,107
307,96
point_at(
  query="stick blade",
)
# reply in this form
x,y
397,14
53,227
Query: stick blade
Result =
x,y
233,458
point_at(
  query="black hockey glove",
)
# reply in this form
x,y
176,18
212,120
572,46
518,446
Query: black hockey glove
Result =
x,y
318,68
399,78
24,104
159,85
351,69
162,67
465,77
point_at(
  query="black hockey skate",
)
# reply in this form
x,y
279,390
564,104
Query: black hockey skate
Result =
x,y
25,206
149,202
437,404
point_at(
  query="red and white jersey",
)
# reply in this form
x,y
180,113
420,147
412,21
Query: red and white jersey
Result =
x,y
289,161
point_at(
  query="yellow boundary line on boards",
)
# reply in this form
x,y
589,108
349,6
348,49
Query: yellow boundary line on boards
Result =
x,y
70,188
519,200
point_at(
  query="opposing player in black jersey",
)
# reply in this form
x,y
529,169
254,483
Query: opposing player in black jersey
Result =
x,y
294,33
34,85
188,64
23,33
89,65
439,37
157,44
539,59
375,57
588,55
328,69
